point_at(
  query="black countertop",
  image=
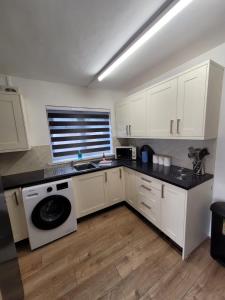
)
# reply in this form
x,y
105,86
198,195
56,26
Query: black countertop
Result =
x,y
172,175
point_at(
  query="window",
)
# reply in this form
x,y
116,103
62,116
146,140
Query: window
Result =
x,y
73,130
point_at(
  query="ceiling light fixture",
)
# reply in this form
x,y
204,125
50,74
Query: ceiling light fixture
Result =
x,y
165,19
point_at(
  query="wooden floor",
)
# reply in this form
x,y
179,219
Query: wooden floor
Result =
x,y
116,256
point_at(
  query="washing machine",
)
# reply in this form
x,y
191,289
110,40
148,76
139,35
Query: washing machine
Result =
x,y
50,211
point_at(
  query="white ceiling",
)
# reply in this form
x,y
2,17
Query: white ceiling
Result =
x,y
71,40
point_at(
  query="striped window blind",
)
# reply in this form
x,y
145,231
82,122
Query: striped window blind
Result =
x,y
72,131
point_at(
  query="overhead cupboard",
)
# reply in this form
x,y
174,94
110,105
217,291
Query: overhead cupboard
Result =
x,y
13,131
185,106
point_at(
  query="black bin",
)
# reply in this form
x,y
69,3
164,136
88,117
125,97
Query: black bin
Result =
x,y
218,232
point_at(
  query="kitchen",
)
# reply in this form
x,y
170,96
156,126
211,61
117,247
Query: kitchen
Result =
x,y
93,213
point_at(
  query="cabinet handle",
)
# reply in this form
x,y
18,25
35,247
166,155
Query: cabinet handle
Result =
x,y
146,180
171,126
178,126
127,130
145,187
16,199
146,205
120,174
106,177
162,191
130,130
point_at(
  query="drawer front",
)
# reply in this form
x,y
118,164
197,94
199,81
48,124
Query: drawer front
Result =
x,y
148,190
148,181
150,208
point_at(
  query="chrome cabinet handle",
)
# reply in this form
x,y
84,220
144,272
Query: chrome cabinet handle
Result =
x,y
178,126
162,191
130,130
146,205
120,174
171,126
145,187
16,199
127,130
146,179
106,179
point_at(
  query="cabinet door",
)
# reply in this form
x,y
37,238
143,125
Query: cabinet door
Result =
x,y
12,125
161,108
115,185
17,217
122,119
191,104
138,126
90,194
130,187
173,213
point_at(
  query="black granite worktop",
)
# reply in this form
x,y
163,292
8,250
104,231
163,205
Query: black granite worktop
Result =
x,y
180,177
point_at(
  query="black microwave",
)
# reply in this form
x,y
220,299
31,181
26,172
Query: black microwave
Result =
x,y
126,153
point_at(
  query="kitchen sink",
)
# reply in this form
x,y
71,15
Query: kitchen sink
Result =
x,y
84,166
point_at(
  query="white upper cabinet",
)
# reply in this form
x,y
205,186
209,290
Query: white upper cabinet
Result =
x,y
131,116
191,104
13,135
162,101
185,106
138,114
123,119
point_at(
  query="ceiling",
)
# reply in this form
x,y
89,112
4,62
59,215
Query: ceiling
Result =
x,y
71,40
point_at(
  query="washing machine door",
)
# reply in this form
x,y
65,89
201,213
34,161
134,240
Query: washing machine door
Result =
x,y
51,212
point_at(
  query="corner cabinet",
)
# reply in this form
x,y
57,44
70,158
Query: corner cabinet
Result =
x,y
185,106
13,134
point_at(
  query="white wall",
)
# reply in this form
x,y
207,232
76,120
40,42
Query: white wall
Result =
x,y
38,94
217,54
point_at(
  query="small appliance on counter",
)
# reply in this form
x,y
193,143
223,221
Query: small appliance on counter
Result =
x,y
126,153
198,159
146,154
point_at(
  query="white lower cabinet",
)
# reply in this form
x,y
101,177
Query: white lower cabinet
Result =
x,y
183,215
115,185
130,187
148,198
98,190
173,212
90,192
16,212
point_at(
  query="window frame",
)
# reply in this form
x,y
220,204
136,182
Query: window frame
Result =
x,y
70,108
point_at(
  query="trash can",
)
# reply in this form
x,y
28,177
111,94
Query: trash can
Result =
x,y
218,232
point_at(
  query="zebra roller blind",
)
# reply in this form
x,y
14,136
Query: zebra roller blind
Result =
x,y
72,131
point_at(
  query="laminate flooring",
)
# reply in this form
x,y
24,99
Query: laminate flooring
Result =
x,y
116,256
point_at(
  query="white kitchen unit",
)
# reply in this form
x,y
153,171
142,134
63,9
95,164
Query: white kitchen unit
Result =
x,y
13,134
16,211
183,215
123,119
130,187
131,116
185,106
115,191
138,115
98,190
90,192
148,197
161,107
